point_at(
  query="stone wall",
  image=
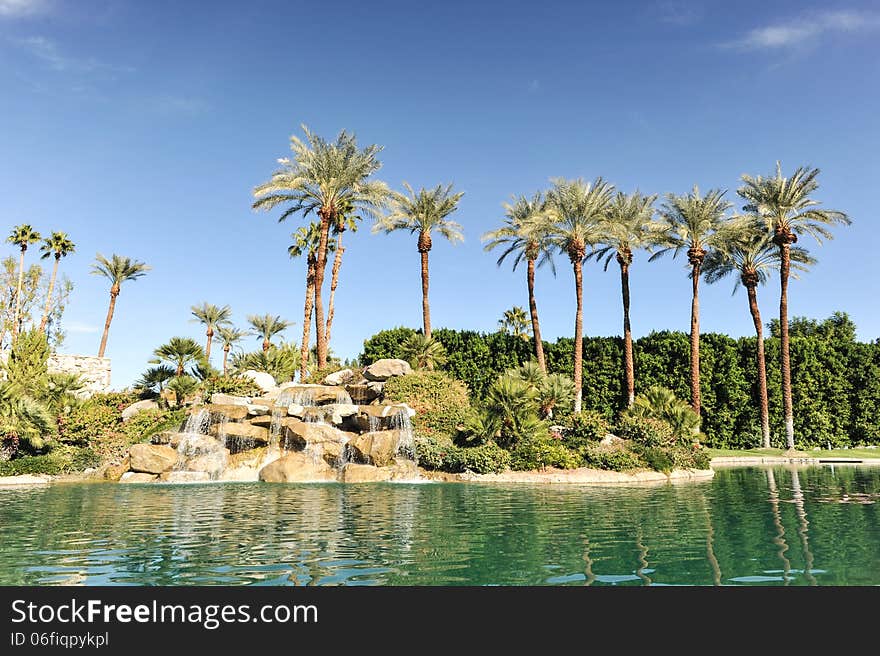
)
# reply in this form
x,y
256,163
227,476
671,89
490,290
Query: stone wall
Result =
x,y
95,372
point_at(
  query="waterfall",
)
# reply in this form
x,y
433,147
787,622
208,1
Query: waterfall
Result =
x,y
374,423
343,397
197,423
304,397
279,412
196,443
406,445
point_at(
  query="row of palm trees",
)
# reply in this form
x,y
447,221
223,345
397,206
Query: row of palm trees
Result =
x,y
586,220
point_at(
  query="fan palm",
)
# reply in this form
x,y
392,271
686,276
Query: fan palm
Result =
x,y
154,378
211,316
515,322
229,337
58,245
786,209
575,209
180,352
22,236
532,245
117,270
346,219
305,241
423,212
423,352
324,178
628,226
749,253
267,326
694,224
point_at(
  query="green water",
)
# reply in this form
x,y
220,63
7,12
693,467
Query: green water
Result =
x,y
748,526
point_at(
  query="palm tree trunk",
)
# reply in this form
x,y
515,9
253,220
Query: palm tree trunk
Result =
x,y
628,365
179,373
785,365
578,336
266,345
533,309
307,321
225,358
18,293
321,264
762,367
45,319
426,308
210,334
334,281
114,292
695,340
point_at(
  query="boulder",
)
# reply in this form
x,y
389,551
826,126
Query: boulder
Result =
x,y
335,413
297,467
256,410
355,473
296,410
185,477
140,406
377,448
137,477
228,410
115,472
210,464
263,380
227,399
193,444
162,438
404,469
382,370
152,458
249,458
363,393
263,421
234,429
340,377
301,434
378,388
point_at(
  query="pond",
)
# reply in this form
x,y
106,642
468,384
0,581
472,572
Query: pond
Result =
x,y
747,526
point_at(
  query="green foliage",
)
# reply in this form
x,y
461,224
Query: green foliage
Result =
x,y
542,450
147,423
423,353
385,344
441,403
618,458
318,375
657,458
235,385
484,459
513,404
436,452
647,431
661,403
281,362
442,455
584,430
91,421
62,460
182,387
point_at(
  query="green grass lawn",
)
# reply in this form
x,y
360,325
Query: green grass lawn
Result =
x,y
824,453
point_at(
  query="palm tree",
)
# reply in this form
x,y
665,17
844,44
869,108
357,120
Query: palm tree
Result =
x,y
786,210
58,245
627,226
346,219
267,326
117,270
532,245
423,212
574,211
306,240
324,178
22,236
154,378
515,321
211,316
180,352
693,224
750,254
423,352
229,336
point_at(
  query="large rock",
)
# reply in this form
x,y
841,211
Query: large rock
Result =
x,y
115,472
140,406
340,377
382,370
297,467
229,410
263,380
210,464
227,399
377,448
245,431
263,421
363,393
152,458
335,413
301,434
137,477
355,473
185,477
258,409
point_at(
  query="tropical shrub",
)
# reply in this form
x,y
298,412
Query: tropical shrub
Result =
x,y
646,431
439,453
234,385
281,362
317,376
661,403
92,421
584,430
542,450
441,403
385,344
512,404
616,457
422,352
484,459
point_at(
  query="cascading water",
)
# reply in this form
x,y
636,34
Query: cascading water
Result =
x,y
197,443
343,397
197,423
279,412
406,445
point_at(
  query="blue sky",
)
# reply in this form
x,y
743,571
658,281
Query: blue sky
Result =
x,y
140,128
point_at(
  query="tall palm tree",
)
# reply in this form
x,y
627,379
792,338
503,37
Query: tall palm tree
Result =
x,y
532,245
423,212
694,224
324,178
117,270
58,245
514,321
180,352
575,209
211,316
346,219
22,236
229,336
749,253
628,226
787,210
267,326
305,241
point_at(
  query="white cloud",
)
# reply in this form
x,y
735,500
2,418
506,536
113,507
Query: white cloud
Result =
x,y
799,31
15,8
80,327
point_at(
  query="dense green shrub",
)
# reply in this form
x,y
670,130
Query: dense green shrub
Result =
x,y
147,423
61,460
661,403
616,457
317,376
542,451
441,403
117,400
235,385
93,420
484,459
646,431
436,452
386,344
584,430
441,454
656,458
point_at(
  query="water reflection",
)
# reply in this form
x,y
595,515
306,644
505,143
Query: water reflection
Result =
x,y
712,533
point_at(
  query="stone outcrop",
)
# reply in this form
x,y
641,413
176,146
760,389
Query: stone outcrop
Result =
x,y
232,411
152,458
218,398
138,407
363,393
297,467
378,448
398,470
340,377
235,430
115,472
301,434
137,477
263,380
382,370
